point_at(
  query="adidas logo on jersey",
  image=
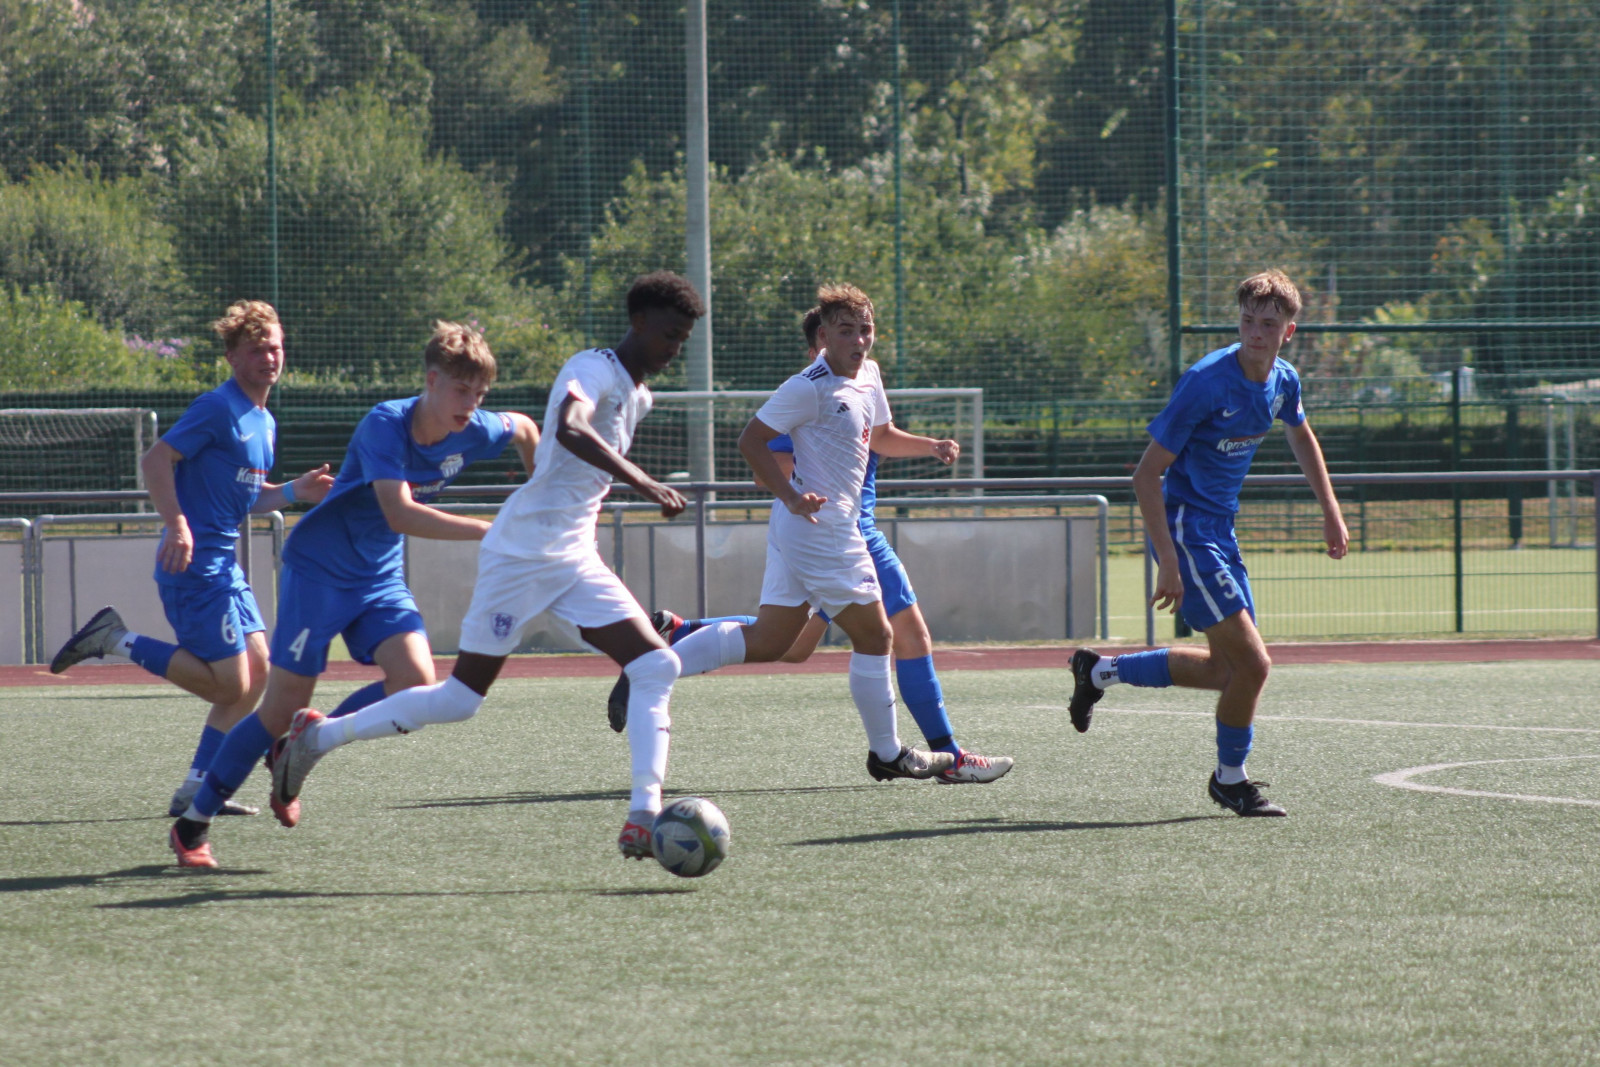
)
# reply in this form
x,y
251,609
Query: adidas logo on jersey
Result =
x,y
842,409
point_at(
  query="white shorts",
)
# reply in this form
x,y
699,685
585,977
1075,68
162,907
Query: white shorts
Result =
x,y
823,564
513,589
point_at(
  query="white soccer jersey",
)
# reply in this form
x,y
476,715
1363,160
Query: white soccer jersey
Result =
x,y
554,512
830,419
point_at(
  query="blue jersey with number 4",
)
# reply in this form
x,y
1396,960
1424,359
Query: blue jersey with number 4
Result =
x,y
1214,423
226,443
345,540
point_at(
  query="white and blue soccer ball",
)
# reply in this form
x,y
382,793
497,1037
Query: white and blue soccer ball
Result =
x,y
690,837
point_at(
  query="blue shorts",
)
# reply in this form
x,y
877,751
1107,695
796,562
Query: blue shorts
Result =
x,y
311,612
1215,582
213,620
893,581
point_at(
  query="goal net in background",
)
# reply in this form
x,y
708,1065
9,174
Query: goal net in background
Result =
x,y
662,443
45,450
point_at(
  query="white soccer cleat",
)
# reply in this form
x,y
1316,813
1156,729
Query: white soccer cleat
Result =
x,y
294,759
634,841
97,637
974,769
185,796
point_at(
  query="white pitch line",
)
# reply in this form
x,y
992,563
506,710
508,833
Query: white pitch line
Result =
x,y
1343,722
1402,780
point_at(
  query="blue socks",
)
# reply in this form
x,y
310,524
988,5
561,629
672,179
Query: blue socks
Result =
x,y
154,656
1233,746
924,696
691,625
1148,669
246,743
366,695
210,741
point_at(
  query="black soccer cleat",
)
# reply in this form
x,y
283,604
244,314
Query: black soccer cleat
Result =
x,y
665,623
1243,798
910,763
1085,694
617,704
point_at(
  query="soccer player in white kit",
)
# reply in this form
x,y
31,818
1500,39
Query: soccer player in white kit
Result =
x,y
540,555
836,412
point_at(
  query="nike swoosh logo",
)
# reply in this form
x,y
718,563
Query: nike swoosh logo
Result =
x,y
252,433
1229,414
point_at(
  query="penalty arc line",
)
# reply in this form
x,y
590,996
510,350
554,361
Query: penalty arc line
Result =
x,y
1402,780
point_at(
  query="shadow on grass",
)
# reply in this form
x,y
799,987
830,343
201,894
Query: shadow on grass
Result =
x,y
304,896
85,822
152,872
619,795
997,826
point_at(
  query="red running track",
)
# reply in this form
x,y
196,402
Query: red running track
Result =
x,y
982,658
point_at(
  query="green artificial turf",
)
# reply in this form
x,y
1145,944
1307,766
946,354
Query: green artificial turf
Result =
x,y
456,896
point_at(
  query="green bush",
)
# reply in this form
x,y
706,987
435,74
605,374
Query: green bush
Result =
x,y
50,344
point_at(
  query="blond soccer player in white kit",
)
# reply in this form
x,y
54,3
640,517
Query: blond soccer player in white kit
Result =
x,y
540,555
835,411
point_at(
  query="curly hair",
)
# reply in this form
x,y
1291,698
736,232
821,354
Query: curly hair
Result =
x,y
246,320
836,300
664,289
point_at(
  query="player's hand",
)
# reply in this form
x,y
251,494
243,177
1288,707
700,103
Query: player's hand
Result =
x,y
946,452
177,548
313,485
1335,534
806,505
670,501
1169,588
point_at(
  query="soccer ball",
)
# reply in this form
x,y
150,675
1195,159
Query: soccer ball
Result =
x,y
690,837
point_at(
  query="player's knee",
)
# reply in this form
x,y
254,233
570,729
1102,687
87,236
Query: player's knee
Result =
x,y
1252,668
654,671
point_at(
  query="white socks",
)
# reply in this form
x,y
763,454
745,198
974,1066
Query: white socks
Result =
x,y
1230,775
403,713
1104,673
874,696
710,647
650,679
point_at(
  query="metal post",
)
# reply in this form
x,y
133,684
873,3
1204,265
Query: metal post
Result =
x,y
1572,465
272,159
1550,463
700,550
1149,592
702,460
586,167
1103,515
1174,215
1455,492
897,374
1594,485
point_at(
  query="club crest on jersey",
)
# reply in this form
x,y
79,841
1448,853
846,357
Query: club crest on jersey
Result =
x,y
451,466
502,624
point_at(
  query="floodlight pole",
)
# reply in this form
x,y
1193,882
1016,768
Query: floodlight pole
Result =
x,y
702,460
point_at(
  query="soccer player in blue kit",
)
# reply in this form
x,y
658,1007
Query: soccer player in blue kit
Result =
x,y
343,565
206,475
1203,441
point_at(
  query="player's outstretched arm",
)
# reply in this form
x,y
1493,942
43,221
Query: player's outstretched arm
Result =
x,y
891,441
310,487
575,434
406,516
157,465
524,437
753,445
1308,453
1147,487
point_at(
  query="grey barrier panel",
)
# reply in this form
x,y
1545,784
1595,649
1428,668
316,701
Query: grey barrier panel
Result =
x,y
13,599
82,573
997,578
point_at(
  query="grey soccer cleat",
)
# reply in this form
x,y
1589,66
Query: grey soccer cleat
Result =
x,y
634,841
185,796
97,637
294,759
910,763
974,769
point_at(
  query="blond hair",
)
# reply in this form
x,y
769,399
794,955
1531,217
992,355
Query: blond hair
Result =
x,y
246,320
461,352
1273,286
836,300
